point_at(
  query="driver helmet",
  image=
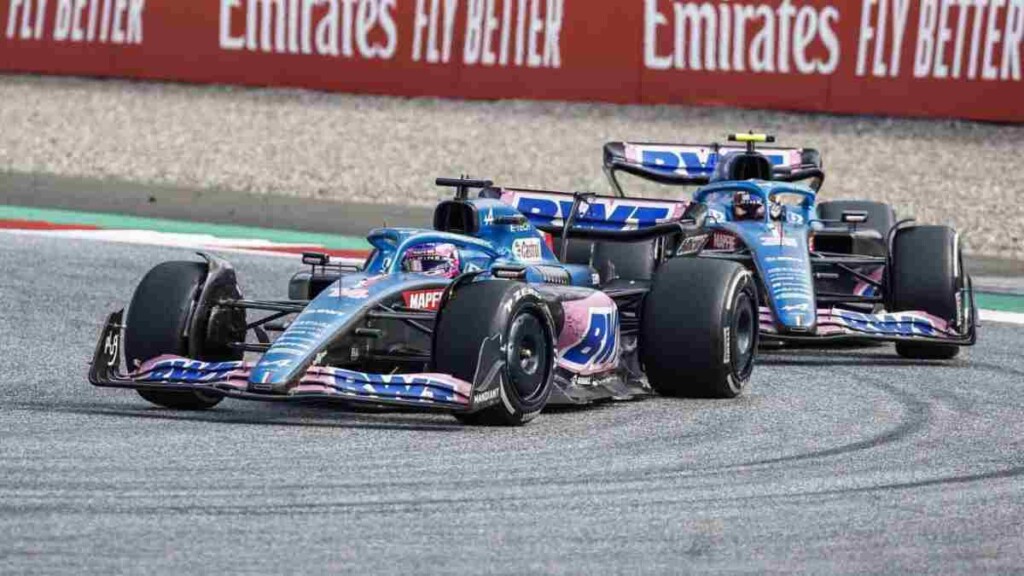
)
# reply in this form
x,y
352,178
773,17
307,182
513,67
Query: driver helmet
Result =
x,y
747,206
436,259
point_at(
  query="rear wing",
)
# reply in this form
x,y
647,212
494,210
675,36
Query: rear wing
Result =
x,y
577,215
592,217
694,164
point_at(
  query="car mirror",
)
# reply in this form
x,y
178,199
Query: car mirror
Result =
x,y
854,216
315,259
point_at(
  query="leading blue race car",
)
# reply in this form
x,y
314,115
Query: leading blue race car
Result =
x,y
477,317
827,271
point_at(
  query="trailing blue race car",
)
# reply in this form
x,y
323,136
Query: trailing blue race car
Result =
x,y
827,271
476,317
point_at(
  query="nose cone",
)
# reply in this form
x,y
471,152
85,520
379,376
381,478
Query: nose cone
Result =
x,y
312,330
797,319
786,269
324,322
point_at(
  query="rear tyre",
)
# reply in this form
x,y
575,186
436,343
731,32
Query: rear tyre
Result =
x,y
699,330
157,323
514,312
881,218
925,274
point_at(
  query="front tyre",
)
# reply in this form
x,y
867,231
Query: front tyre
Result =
x,y
515,314
926,274
699,329
157,323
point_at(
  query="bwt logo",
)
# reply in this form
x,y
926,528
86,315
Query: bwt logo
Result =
x,y
597,213
601,342
900,324
692,161
672,161
397,385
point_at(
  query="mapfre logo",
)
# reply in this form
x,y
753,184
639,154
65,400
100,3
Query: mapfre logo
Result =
x,y
423,299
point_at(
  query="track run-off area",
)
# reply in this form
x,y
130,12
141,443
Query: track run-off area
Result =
x,y
837,460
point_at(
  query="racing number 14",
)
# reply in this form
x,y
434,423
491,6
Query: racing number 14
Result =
x,y
110,347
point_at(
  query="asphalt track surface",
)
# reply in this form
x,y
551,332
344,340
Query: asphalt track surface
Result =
x,y
846,460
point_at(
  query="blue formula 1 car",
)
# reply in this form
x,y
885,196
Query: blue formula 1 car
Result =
x,y
827,271
477,317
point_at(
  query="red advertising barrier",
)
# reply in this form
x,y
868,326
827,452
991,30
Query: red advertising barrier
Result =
x,y
946,58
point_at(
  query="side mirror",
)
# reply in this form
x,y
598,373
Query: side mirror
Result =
x,y
698,213
854,216
315,259
306,285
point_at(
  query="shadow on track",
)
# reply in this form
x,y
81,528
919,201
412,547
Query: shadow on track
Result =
x,y
288,416
847,356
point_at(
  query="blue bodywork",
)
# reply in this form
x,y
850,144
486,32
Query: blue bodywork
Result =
x,y
779,248
338,307
807,292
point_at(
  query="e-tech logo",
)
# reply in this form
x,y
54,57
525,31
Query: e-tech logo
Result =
x,y
603,213
600,344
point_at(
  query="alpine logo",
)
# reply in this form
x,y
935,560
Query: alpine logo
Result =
x,y
423,299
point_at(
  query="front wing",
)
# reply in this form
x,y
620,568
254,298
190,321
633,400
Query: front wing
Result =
x,y
840,324
318,383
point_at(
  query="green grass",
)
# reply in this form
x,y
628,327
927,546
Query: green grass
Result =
x,y
1000,302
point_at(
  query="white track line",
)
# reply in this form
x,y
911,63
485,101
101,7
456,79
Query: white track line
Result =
x,y
1002,317
176,240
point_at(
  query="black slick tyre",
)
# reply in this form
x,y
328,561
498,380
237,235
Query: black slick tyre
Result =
x,y
157,322
699,329
513,312
925,274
